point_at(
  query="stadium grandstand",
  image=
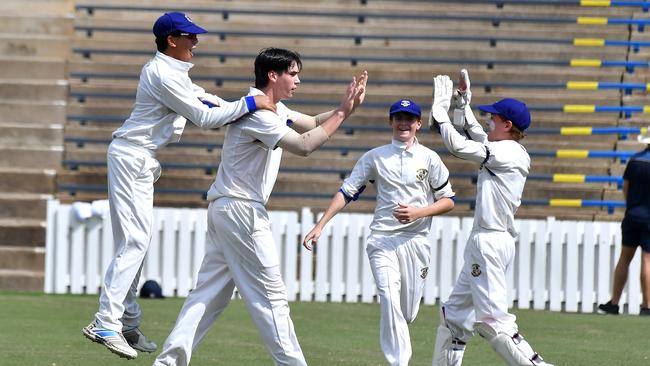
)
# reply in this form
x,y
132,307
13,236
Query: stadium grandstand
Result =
x,y
70,70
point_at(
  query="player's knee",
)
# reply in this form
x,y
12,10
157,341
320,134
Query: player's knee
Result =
x,y
514,349
410,314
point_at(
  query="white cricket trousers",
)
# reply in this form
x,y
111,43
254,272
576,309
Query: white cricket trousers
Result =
x,y
399,263
132,171
480,293
240,251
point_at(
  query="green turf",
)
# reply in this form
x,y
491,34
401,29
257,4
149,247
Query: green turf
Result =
x,y
45,330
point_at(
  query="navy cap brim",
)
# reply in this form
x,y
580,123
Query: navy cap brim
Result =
x,y
488,109
192,29
405,110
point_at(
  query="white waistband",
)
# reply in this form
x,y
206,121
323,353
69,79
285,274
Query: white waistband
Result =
x,y
120,142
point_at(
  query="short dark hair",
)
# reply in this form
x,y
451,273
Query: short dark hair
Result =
x,y
161,43
273,59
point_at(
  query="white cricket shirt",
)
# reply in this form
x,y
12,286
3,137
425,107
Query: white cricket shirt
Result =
x,y
165,99
250,158
501,178
414,177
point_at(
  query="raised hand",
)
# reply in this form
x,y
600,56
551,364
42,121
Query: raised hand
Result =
x,y
355,94
442,91
463,94
362,81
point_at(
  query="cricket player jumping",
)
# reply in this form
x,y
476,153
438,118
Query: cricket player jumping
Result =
x,y
478,301
412,186
165,100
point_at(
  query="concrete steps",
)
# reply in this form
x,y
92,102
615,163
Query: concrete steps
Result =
x,y
34,44
22,232
30,157
25,180
22,258
22,68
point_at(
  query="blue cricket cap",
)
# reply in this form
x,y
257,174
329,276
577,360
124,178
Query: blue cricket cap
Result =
x,y
169,23
512,110
405,105
151,290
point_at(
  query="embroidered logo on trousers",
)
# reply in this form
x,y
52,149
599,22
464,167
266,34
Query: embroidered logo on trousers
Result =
x,y
423,272
476,270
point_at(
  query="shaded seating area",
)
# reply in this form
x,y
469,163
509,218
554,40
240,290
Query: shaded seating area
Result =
x,y
588,73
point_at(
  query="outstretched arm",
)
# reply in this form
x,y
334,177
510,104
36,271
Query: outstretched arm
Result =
x,y
305,143
439,120
184,100
336,205
306,122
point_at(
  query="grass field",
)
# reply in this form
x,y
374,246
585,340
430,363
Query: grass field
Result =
x,y
45,330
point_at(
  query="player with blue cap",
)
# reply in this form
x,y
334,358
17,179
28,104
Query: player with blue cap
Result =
x,y
166,99
412,185
479,300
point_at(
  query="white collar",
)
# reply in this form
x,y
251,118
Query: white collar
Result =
x,y
402,145
174,63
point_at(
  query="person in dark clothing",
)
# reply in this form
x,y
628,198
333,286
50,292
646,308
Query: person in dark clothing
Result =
x,y
635,228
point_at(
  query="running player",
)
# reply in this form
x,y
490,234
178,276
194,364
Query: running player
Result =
x,y
412,186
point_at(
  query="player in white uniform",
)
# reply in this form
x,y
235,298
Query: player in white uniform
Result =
x,y
165,99
478,301
412,186
240,250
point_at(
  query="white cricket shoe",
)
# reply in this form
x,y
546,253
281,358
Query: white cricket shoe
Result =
x,y
113,340
139,341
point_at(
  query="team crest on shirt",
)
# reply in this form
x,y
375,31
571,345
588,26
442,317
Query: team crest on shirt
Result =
x,y
476,270
423,272
421,174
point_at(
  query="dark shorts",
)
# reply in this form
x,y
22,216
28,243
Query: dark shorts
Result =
x,y
636,233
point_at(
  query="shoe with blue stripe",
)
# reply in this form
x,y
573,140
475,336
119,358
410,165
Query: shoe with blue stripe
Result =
x,y
113,340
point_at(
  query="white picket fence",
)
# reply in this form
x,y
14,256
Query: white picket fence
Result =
x,y
560,265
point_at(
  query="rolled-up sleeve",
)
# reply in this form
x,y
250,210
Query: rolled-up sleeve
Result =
x,y
362,172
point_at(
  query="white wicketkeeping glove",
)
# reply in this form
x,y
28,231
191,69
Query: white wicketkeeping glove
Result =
x,y
442,91
461,98
462,94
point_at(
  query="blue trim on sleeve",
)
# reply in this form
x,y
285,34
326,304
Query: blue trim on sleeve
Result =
x,y
356,195
345,196
289,122
211,105
250,103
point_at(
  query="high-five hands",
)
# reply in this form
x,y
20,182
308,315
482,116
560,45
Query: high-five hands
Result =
x,y
463,94
355,94
442,92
